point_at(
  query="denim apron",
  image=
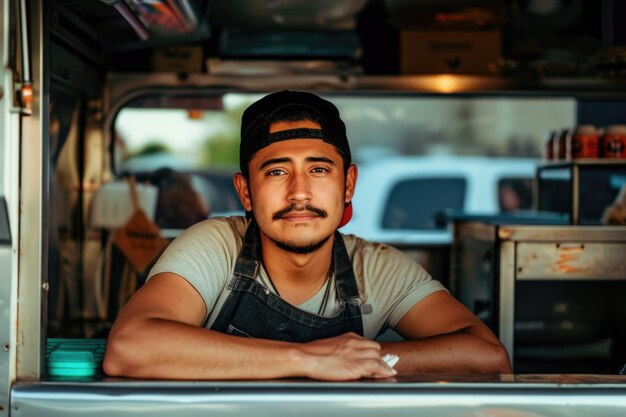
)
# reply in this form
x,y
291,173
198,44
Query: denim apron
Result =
x,y
251,310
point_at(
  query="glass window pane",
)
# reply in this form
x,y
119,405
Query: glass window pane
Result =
x,y
414,204
198,136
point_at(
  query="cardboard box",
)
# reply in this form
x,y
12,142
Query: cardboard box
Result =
x,y
444,52
178,59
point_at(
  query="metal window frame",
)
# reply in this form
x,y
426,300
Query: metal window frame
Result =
x,y
32,238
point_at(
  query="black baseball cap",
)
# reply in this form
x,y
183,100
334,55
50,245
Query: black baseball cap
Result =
x,y
257,118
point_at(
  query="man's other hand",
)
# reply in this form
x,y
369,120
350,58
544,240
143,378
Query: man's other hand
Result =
x,y
345,357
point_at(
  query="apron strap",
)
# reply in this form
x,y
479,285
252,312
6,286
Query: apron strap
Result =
x,y
345,280
249,260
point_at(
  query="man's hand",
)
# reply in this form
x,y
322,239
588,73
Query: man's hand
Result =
x,y
345,357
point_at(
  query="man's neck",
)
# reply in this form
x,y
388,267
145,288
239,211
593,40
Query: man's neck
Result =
x,y
297,277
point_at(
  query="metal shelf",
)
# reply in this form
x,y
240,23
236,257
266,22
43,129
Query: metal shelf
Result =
x,y
583,162
574,169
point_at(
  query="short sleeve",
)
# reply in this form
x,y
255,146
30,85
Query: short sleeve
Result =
x,y
396,282
204,255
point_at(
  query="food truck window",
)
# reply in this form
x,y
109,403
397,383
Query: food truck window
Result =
x,y
191,143
185,146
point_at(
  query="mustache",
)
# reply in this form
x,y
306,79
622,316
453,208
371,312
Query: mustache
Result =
x,y
282,213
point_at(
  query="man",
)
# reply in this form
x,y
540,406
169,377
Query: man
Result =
x,y
284,294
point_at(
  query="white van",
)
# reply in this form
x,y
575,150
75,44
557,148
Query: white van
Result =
x,y
399,198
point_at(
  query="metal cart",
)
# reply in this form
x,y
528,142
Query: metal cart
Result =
x,y
492,262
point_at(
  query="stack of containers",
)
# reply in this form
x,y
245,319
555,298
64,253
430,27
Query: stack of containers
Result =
x,y
586,142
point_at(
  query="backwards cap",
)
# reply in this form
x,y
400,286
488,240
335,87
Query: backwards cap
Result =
x,y
256,120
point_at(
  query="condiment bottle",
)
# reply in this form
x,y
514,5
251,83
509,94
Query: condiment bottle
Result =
x,y
584,143
613,142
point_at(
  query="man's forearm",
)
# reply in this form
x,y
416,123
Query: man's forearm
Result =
x,y
461,352
156,348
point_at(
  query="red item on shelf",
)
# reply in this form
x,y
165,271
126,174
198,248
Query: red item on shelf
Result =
x,y
613,142
562,148
585,142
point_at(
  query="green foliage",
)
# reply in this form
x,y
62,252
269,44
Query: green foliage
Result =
x,y
153,148
221,149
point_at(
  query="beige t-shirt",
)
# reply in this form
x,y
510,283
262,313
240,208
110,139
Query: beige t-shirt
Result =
x,y
389,282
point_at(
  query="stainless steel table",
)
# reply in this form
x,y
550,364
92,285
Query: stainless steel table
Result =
x,y
421,395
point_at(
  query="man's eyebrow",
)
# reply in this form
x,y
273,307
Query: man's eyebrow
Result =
x,y
320,159
285,159
274,161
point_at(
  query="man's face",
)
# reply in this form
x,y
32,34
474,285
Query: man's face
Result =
x,y
297,190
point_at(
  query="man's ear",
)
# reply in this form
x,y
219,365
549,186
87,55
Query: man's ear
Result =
x,y
351,177
241,185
